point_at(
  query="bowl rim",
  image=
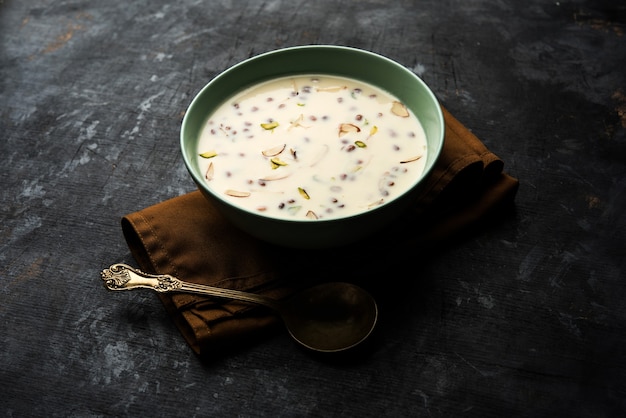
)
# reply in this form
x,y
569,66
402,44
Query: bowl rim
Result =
x,y
199,180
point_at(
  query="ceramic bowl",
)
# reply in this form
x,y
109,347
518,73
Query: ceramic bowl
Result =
x,y
315,59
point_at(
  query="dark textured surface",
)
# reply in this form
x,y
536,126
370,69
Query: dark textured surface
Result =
x,y
525,318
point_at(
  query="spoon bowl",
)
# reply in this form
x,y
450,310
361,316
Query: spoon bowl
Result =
x,y
329,317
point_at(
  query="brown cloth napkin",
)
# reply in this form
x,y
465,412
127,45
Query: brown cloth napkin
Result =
x,y
187,238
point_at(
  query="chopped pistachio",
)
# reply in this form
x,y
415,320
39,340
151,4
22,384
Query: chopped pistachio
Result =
x,y
208,154
311,215
270,152
269,126
303,193
399,109
293,209
372,132
409,160
345,128
209,172
360,144
237,193
293,153
277,162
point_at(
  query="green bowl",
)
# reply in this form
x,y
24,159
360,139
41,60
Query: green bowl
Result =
x,y
314,59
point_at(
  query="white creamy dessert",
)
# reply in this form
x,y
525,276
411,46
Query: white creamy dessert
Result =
x,y
311,147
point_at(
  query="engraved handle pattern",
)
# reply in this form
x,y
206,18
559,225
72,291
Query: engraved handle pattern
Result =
x,y
124,277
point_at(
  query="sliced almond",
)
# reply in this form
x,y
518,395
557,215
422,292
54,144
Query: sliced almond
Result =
x,y
311,215
298,122
410,160
276,177
270,152
332,88
346,128
399,109
209,172
237,193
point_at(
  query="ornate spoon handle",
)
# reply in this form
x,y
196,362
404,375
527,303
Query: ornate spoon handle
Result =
x,y
125,277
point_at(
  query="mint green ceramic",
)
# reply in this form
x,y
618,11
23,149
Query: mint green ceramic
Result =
x,y
314,59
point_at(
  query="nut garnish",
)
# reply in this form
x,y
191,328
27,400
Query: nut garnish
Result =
x,y
311,215
277,162
409,160
275,177
298,122
399,109
373,131
269,126
294,209
332,89
270,152
237,193
360,144
346,128
208,154
209,172
303,193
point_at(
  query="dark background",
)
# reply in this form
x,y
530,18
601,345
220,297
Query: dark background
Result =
x,y
525,318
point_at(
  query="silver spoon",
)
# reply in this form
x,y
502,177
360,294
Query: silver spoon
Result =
x,y
328,317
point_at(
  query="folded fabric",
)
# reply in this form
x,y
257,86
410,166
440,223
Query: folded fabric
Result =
x,y
188,238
